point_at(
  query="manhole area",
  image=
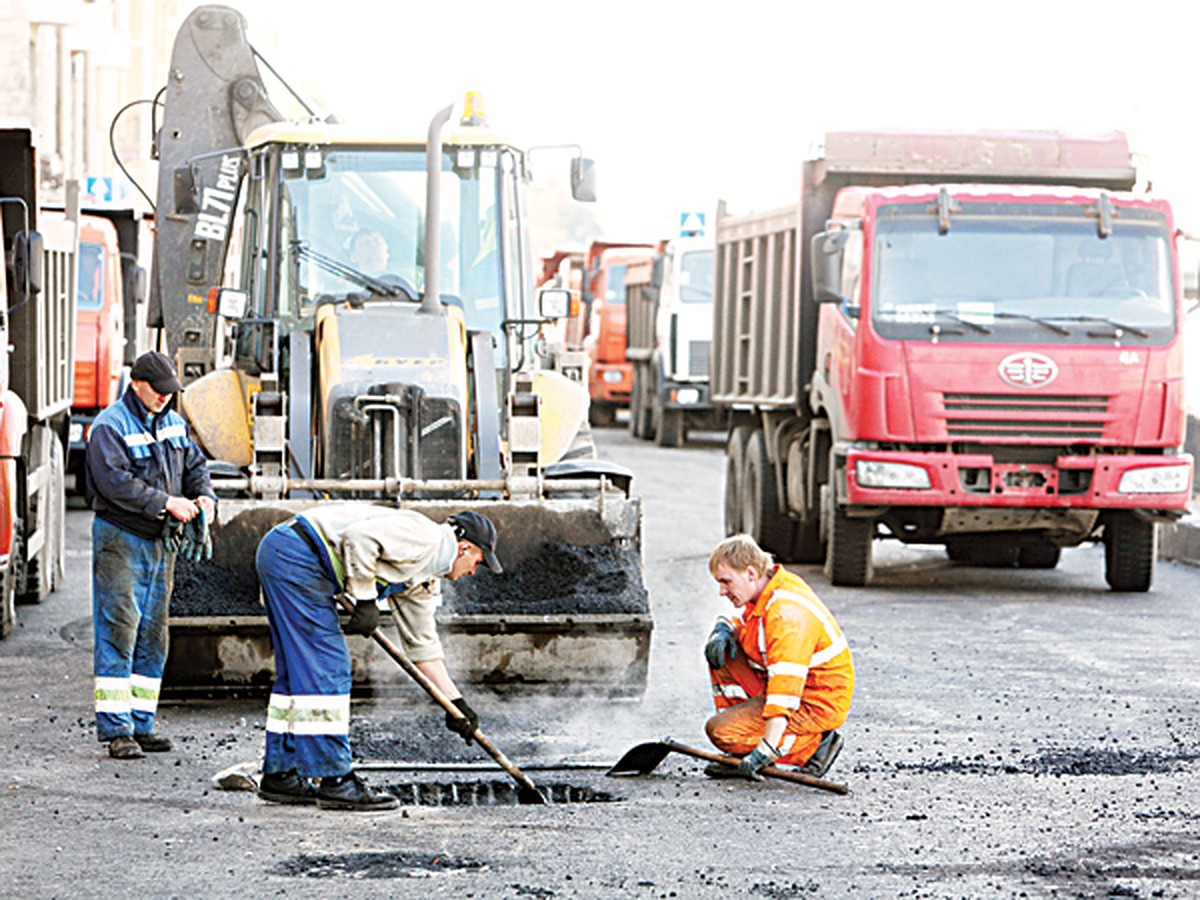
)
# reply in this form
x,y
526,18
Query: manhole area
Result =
x,y
394,864
490,793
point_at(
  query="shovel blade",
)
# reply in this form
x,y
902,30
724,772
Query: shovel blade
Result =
x,y
641,760
531,796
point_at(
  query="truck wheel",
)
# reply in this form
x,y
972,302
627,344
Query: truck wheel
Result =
x,y
670,428
807,545
761,517
8,601
637,426
735,452
601,415
848,561
1129,548
45,571
1039,556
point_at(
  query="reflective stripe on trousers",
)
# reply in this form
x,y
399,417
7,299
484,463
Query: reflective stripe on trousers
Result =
x,y
308,718
131,580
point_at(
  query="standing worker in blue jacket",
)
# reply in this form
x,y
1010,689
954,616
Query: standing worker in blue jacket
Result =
x,y
146,476
365,554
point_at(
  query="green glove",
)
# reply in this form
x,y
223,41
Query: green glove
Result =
x,y
172,536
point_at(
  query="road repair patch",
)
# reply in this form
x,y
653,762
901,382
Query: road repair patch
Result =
x,y
390,864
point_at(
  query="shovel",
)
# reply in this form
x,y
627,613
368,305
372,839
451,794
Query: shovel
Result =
x,y
644,758
527,792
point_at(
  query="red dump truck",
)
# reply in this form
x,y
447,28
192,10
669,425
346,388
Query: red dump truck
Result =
x,y
111,329
37,336
610,374
963,339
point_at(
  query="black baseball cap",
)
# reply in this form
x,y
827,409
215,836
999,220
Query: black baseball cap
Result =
x,y
156,369
479,530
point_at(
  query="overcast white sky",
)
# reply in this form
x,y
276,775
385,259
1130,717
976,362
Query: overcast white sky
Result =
x,y
682,103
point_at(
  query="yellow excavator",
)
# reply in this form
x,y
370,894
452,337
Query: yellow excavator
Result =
x,y
354,318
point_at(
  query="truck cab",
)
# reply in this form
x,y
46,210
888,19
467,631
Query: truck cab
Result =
x,y
610,375
99,332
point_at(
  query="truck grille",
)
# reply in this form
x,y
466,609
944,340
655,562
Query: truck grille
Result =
x,y
698,358
1049,417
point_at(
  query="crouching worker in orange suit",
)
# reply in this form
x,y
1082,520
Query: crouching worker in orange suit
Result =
x,y
781,671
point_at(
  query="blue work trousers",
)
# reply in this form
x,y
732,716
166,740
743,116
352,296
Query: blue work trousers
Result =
x,y
308,719
131,584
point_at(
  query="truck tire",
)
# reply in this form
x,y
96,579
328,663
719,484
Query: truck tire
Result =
x,y
735,452
639,411
761,517
1039,556
45,572
807,545
8,601
601,415
848,561
669,432
1130,545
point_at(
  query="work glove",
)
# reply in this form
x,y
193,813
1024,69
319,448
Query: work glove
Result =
x,y
172,536
752,763
465,726
197,541
721,646
364,619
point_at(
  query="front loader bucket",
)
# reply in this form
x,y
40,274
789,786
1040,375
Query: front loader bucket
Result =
x,y
569,615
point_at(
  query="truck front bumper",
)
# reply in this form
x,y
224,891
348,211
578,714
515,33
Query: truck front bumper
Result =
x,y
611,383
898,478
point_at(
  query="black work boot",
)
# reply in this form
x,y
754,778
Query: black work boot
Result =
x,y
826,752
153,743
123,746
350,792
287,787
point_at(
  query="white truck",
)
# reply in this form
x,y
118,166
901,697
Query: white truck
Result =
x,y
669,307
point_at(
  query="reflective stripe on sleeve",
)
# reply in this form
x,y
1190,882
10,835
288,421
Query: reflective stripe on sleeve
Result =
x,y
112,695
824,656
790,669
783,701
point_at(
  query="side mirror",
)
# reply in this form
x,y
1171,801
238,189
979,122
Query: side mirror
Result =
x,y
583,179
554,303
29,262
187,189
828,252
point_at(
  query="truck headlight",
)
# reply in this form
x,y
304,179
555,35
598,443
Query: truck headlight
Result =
x,y
76,434
875,474
687,396
1154,480
612,375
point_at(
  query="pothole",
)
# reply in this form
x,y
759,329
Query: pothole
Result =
x,y
490,793
392,864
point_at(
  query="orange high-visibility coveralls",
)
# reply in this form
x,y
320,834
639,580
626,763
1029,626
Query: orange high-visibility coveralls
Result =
x,y
793,661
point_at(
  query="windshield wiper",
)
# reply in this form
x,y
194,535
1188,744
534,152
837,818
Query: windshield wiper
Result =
x,y
1120,327
951,314
1046,323
348,272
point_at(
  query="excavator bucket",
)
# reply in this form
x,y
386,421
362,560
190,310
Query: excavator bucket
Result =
x,y
569,614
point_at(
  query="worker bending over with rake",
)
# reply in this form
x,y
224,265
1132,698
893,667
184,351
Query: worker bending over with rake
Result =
x,y
363,554
781,671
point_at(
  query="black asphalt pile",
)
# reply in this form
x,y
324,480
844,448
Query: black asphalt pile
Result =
x,y
392,864
422,736
206,589
557,578
1063,761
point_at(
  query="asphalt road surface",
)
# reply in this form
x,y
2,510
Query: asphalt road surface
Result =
x,y
1014,733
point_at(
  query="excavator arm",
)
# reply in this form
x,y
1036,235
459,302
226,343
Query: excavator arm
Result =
x,y
213,100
